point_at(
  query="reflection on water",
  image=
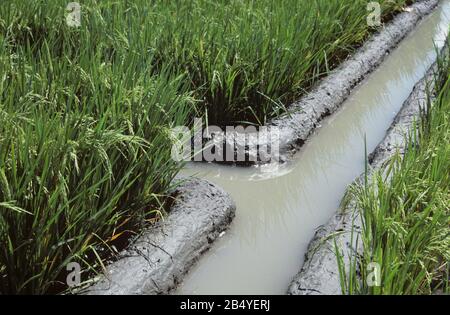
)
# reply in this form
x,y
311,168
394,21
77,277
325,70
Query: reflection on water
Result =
x,y
279,207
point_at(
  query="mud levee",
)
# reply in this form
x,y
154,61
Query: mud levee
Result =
x,y
287,133
320,273
157,261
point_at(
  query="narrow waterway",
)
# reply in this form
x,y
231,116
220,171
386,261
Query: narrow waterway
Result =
x,y
280,207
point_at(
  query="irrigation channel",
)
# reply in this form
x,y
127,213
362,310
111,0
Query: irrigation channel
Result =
x,y
280,207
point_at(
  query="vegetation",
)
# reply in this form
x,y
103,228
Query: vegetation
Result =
x,y
85,112
84,146
406,212
244,59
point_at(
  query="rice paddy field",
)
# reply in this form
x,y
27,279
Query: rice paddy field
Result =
x,y
85,112
406,212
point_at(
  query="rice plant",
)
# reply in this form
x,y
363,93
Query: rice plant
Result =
x,y
244,59
84,149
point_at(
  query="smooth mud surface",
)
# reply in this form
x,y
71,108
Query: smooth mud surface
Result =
x,y
280,207
157,261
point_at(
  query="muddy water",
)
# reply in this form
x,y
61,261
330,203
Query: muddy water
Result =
x,y
279,207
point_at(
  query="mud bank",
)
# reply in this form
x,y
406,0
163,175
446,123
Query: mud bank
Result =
x,y
319,274
157,261
285,135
